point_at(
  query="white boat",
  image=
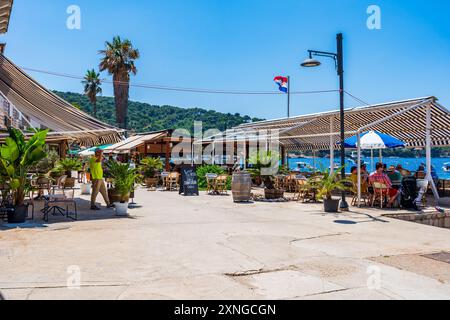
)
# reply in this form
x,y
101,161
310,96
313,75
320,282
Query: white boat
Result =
x,y
304,166
446,167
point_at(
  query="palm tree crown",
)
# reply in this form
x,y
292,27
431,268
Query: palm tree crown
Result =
x,y
118,59
92,87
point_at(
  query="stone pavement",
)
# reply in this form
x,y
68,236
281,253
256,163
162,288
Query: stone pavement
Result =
x,y
207,247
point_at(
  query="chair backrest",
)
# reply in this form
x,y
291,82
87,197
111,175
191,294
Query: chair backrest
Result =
x,y
222,178
61,182
174,176
379,185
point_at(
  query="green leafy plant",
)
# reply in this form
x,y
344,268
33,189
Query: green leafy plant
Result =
x,y
150,166
262,166
209,168
123,177
68,165
18,157
48,163
329,183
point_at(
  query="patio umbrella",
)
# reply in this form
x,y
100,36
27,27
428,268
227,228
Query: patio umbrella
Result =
x,y
91,151
373,140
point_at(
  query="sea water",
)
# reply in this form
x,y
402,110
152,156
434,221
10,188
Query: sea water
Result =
x,y
410,164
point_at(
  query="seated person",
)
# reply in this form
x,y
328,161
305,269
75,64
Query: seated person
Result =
x,y
420,173
354,179
381,177
404,172
395,177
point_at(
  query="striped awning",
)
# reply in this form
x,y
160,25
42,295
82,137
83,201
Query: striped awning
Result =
x,y
44,108
5,14
405,120
131,143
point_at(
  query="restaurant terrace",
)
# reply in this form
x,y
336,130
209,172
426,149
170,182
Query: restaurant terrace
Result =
x,y
421,123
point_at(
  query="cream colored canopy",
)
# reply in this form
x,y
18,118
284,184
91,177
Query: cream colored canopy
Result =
x,y
41,106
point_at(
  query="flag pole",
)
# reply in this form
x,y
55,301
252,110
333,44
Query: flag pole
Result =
x,y
289,97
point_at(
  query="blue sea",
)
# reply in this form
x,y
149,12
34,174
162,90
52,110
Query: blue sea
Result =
x,y
408,163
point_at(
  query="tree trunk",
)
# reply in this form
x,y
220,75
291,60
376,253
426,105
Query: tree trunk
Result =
x,y
94,109
121,92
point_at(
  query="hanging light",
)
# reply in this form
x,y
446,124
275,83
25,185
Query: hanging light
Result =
x,y
309,63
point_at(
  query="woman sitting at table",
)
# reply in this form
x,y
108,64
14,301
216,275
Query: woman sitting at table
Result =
x,y
354,179
380,177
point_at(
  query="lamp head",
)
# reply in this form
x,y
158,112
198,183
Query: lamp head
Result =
x,y
310,63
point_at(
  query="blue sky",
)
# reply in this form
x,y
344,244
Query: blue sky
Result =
x,y
242,45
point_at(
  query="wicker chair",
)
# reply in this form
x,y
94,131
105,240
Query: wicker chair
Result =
x,y
381,193
173,181
220,184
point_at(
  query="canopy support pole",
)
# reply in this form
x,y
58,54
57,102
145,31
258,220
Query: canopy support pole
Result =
x,y
314,160
372,165
428,154
331,145
358,139
381,156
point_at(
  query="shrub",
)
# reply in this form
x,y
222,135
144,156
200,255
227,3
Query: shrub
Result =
x,y
209,168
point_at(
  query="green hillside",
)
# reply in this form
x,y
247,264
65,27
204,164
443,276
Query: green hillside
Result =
x,y
144,117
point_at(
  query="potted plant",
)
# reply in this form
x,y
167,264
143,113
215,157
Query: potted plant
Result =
x,y
149,168
17,157
326,185
67,166
123,180
264,167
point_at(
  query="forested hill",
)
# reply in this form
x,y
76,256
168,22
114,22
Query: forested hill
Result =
x,y
144,117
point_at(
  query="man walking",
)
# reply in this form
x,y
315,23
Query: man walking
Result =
x,y
98,185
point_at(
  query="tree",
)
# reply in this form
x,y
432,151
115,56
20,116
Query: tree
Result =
x,y
118,59
92,87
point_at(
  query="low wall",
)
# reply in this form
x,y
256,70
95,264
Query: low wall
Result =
x,y
441,220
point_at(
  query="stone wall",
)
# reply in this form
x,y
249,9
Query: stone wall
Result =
x,y
437,219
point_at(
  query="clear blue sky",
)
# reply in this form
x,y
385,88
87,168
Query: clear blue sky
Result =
x,y
242,45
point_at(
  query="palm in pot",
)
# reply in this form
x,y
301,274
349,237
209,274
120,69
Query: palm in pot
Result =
x,y
18,157
326,185
149,168
123,180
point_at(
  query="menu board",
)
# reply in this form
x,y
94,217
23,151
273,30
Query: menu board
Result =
x,y
189,182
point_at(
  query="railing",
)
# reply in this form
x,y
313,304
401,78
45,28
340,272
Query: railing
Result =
x,y
11,116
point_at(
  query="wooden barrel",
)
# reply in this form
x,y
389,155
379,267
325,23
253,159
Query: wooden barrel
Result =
x,y
241,187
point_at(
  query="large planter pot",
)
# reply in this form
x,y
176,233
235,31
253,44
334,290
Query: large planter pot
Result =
x,y
241,187
273,194
18,215
121,209
70,182
115,196
86,188
331,205
151,182
257,181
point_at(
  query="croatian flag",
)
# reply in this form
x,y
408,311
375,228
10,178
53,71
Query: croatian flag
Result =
x,y
282,83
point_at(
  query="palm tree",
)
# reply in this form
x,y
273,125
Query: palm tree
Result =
x,y
92,87
118,59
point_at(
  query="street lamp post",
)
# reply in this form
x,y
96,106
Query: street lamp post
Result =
x,y
339,61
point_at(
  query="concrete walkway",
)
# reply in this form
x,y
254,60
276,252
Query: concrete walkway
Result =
x,y
207,247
